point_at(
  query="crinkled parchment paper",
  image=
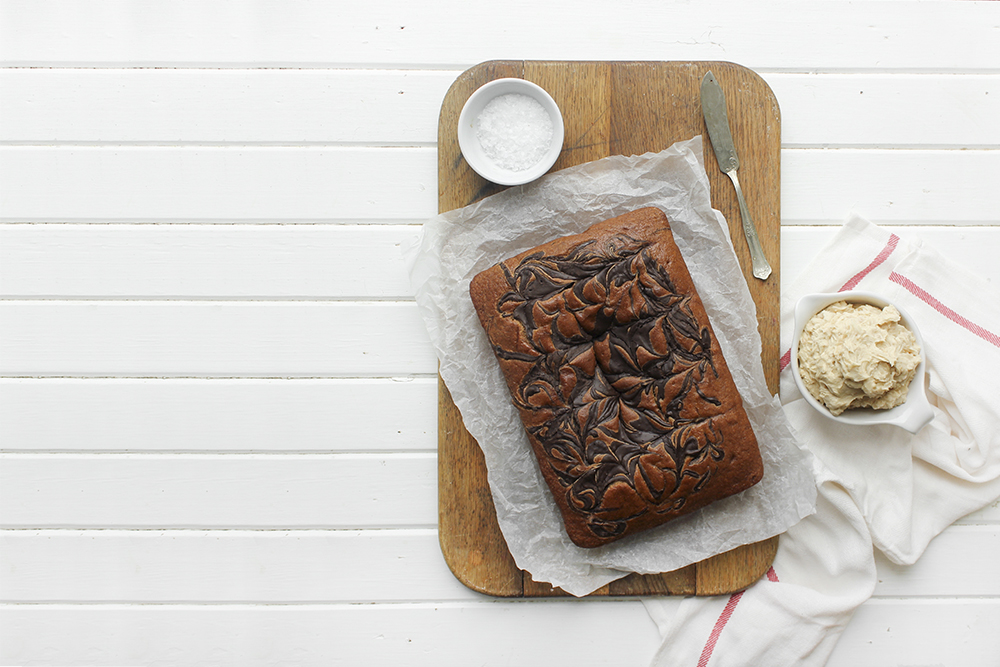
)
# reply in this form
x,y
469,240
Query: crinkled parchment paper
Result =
x,y
459,244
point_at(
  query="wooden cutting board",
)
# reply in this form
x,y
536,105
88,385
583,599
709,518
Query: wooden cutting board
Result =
x,y
613,108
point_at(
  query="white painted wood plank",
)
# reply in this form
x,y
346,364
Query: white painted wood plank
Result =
x,y
191,415
205,261
264,183
886,110
393,107
883,632
346,566
950,633
341,491
213,338
235,183
287,106
893,35
225,566
925,633
969,549
307,261
989,514
435,634
891,186
338,491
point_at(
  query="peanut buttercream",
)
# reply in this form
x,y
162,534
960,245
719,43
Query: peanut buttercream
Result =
x,y
854,355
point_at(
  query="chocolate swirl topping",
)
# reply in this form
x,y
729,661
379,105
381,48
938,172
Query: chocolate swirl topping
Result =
x,y
616,363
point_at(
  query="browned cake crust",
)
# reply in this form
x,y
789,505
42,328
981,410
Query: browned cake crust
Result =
x,y
620,382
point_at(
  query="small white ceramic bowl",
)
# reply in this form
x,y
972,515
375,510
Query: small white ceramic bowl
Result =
x,y
912,415
473,151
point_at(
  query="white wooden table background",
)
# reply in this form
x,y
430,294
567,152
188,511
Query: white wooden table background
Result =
x,y
217,403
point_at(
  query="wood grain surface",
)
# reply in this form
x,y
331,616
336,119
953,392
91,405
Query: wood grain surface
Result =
x,y
612,108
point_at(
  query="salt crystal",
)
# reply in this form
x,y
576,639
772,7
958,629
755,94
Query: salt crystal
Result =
x,y
514,131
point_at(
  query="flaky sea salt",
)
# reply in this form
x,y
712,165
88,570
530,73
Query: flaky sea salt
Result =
x,y
514,131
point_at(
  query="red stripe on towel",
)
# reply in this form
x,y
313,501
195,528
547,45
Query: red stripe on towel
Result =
x,y
734,599
883,255
924,296
706,653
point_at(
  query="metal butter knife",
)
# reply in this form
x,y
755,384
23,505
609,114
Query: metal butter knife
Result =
x,y
713,106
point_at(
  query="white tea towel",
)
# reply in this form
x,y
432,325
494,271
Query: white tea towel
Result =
x,y
879,486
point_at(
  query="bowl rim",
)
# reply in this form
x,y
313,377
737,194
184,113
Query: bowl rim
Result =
x,y
914,413
469,144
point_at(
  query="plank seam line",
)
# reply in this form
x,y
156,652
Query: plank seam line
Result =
x,y
330,223
236,454
433,146
234,65
94,146
242,378
409,377
458,603
786,222
806,226
436,69
416,529
442,602
194,453
343,68
304,224
456,68
376,145
367,301
260,299
152,143
237,379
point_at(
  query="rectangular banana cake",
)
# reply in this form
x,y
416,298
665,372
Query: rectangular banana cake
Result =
x,y
617,375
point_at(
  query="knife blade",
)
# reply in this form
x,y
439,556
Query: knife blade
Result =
x,y
713,107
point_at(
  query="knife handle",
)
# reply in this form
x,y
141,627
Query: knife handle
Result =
x,y
761,269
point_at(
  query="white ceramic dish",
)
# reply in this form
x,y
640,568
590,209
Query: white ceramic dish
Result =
x,y
473,151
912,415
